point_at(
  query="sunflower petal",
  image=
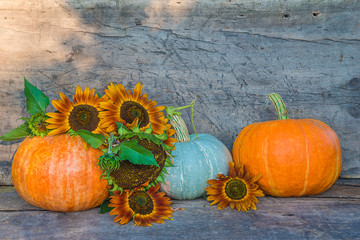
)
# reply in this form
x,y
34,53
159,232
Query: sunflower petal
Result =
x,y
223,204
256,178
232,172
137,91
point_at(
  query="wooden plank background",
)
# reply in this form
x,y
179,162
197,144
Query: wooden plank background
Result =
x,y
231,53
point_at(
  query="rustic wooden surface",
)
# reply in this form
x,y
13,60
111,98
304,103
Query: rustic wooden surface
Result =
x,y
231,53
331,215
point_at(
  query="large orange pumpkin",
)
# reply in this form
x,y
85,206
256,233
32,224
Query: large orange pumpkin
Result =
x,y
296,157
57,173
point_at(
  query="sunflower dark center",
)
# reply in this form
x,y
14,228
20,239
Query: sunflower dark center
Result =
x,y
235,189
84,117
141,203
130,110
41,126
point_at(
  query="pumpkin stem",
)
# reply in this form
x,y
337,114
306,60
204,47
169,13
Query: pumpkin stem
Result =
x,y
182,133
279,104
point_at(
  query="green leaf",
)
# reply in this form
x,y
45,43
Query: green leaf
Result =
x,y
136,129
165,171
36,101
18,133
104,207
122,129
148,130
25,119
168,163
136,154
116,149
94,139
160,178
163,136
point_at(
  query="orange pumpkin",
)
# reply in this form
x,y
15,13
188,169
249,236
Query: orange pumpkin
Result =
x,y
296,157
57,173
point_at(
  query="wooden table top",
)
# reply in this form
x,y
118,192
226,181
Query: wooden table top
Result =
x,y
334,214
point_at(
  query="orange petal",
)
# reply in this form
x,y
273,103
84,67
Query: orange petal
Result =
x,y
129,215
217,199
59,130
212,181
256,178
223,204
232,172
137,91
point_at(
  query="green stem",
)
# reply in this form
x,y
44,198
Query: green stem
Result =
x,y
111,140
182,133
183,107
279,105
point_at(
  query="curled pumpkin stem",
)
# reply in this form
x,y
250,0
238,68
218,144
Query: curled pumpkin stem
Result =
x,y
279,104
173,115
192,115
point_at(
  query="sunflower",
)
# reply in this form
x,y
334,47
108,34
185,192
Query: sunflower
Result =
x,y
37,124
129,175
81,114
144,207
170,132
237,190
130,109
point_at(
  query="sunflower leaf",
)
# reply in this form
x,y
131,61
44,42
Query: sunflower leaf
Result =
x,y
168,163
25,119
136,154
94,139
36,101
165,171
122,129
18,133
160,178
116,149
104,207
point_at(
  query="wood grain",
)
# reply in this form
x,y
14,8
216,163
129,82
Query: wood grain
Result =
x,y
333,215
231,53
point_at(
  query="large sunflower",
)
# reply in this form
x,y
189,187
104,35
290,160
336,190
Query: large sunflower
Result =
x,y
145,207
129,175
130,109
126,175
81,114
237,190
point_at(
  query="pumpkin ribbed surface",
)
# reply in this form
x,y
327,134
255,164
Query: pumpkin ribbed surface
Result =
x,y
195,162
296,157
57,173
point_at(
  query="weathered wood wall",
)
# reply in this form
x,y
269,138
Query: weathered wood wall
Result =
x,y
231,53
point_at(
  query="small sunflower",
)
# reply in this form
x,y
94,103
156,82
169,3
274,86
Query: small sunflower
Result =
x,y
237,190
144,207
130,109
37,124
170,132
81,114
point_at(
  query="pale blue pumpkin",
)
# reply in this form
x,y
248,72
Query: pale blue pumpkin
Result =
x,y
196,161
